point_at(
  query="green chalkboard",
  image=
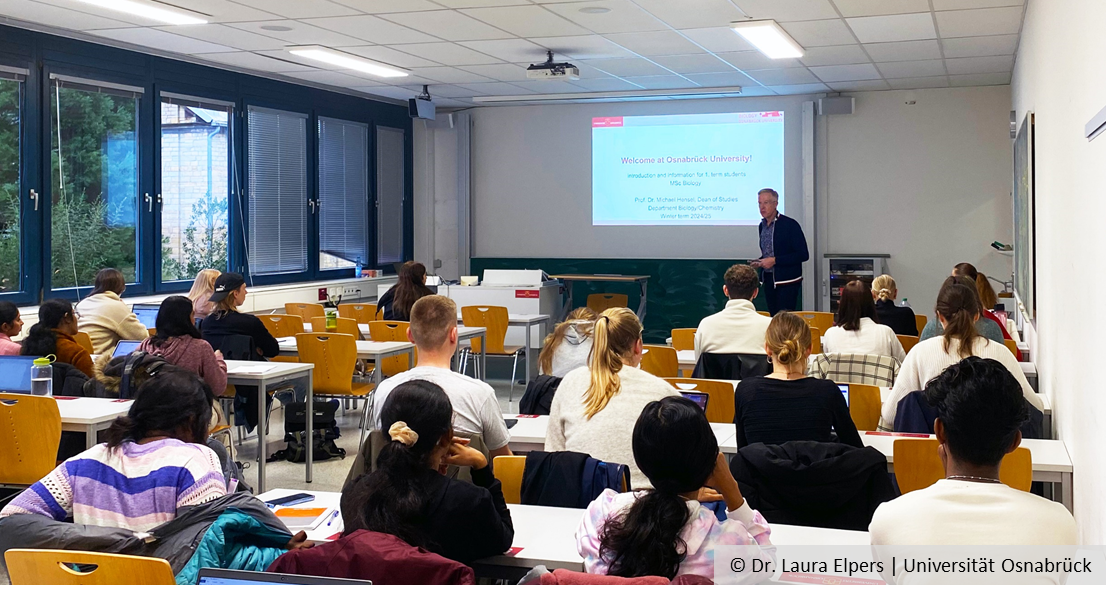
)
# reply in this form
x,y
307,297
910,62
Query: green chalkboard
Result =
x,y
680,292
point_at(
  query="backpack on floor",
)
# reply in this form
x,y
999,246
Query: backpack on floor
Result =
x,y
325,429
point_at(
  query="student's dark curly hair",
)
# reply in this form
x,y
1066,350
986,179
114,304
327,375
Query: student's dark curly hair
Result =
x,y
41,339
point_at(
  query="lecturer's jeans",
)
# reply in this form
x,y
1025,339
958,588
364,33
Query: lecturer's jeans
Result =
x,y
781,297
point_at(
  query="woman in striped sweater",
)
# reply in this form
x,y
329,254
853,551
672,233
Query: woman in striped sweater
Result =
x,y
154,462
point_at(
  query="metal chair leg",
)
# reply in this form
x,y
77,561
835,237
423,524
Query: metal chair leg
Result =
x,y
514,371
364,424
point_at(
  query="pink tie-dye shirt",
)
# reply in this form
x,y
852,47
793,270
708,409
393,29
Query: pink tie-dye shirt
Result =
x,y
701,535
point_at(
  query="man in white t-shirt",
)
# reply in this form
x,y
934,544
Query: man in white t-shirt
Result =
x,y
433,330
980,410
738,328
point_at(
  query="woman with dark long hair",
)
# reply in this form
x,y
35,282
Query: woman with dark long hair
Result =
x,y
409,496
857,330
10,325
179,342
665,531
411,285
53,335
104,315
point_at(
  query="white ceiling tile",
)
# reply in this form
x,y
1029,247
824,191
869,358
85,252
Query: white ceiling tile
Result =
x,y
980,46
589,72
755,60
224,35
385,6
448,75
822,32
912,83
701,63
223,11
845,73
965,4
550,86
834,55
509,50
300,8
526,21
491,88
661,82
452,103
859,85
57,16
635,66
655,43
449,54
917,69
480,3
161,40
880,7
329,77
980,65
980,79
390,56
718,39
722,79
984,21
692,13
756,91
787,10
624,16
605,84
501,72
582,47
447,24
302,33
372,29
392,92
442,90
896,27
783,76
904,51
253,61
800,88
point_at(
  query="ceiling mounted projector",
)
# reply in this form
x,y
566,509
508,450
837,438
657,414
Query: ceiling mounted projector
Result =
x,y
552,71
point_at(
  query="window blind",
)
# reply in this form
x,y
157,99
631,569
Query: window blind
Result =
x,y
277,162
344,189
389,195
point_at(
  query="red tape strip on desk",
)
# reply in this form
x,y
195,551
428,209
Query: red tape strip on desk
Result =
x,y
513,551
889,434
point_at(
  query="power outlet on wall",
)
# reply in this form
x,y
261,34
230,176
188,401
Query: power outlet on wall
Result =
x,y
322,294
351,291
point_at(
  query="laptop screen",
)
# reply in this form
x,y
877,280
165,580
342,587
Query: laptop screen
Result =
x,y
844,392
15,373
124,348
220,576
147,315
698,398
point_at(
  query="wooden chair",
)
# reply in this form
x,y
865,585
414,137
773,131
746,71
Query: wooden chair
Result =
x,y
51,567
281,326
601,301
815,341
823,321
84,341
387,330
720,401
345,326
907,342
305,311
380,313
864,406
660,361
30,431
917,465
362,313
495,320
1012,345
334,356
683,339
508,470
764,313
920,321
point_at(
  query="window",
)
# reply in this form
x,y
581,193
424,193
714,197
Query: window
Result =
x,y
278,201
11,101
195,180
343,193
390,182
94,181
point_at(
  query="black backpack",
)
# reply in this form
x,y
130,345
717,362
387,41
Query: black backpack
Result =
x,y
325,432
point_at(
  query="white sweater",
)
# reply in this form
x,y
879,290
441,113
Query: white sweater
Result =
x,y
108,320
607,436
738,328
870,339
928,359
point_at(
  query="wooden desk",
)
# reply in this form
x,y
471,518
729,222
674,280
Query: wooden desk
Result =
x,y
528,434
569,279
90,415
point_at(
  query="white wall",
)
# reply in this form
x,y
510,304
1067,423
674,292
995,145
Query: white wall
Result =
x,y
441,195
1059,76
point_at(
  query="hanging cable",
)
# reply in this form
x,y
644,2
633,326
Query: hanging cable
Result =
x,y
64,197
238,197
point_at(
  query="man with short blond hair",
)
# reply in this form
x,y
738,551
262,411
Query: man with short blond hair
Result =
x,y
433,329
738,328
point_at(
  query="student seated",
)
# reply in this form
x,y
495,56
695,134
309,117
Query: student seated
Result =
x,y
200,294
408,494
738,328
596,406
857,331
980,410
433,330
53,335
984,326
988,299
396,303
901,319
226,320
958,311
10,326
154,463
665,531
179,342
787,405
104,316
569,345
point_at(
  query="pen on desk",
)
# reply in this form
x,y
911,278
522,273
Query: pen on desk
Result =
x,y
332,516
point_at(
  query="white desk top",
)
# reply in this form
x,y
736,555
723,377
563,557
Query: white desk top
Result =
x,y
1028,368
530,431
521,319
799,535
543,535
463,332
91,411
256,369
1049,455
288,345
331,500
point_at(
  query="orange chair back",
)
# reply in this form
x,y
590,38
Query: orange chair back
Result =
x,y
864,406
84,341
396,331
51,567
1012,345
361,313
720,396
907,342
602,301
823,321
661,361
282,325
920,321
508,470
764,313
305,311
30,431
492,318
345,326
919,466
334,357
1016,470
683,339
815,341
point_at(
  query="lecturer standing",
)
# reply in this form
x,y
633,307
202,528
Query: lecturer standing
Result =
x,y
782,254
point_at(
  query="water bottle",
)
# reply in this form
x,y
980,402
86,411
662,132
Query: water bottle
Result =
x,y
904,304
331,320
42,376
357,269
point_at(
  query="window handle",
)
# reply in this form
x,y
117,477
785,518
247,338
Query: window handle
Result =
x,y
149,203
34,195
312,203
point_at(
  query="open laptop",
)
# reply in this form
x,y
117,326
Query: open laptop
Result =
x,y
147,314
220,576
124,348
698,398
844,392
15,373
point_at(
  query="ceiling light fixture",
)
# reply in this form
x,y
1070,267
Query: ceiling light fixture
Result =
x,y
595,10
153,11
769,37
346,61
280,28
613,96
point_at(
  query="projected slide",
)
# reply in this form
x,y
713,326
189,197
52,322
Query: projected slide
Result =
x,y
684,169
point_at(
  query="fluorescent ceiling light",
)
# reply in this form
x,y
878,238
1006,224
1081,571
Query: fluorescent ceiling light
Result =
x,y
152,10
613,96
769,37
346,61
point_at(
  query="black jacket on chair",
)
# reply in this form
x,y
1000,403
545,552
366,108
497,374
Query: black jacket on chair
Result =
x,y
814,484
731,366
915,415
901,320
538,399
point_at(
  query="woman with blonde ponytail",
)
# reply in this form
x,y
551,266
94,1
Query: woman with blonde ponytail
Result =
x,y
596,406
787,405
901,319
